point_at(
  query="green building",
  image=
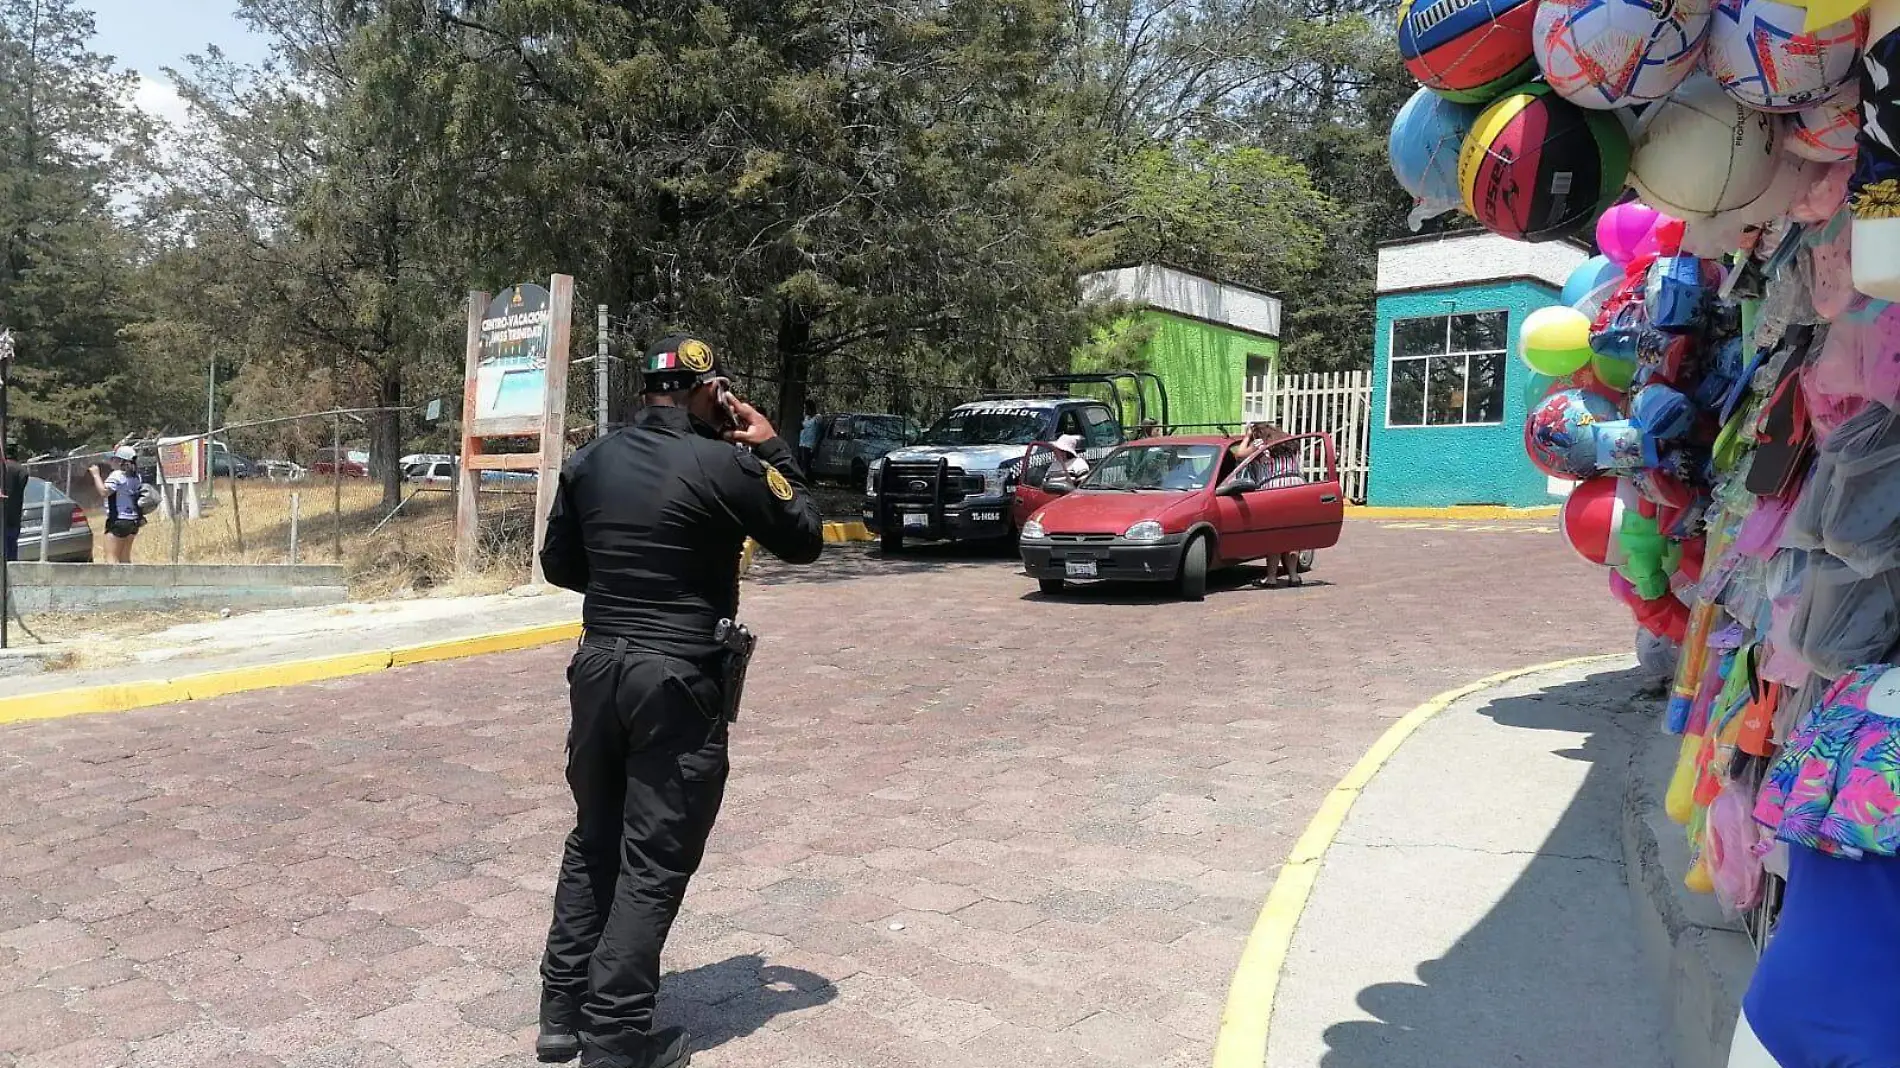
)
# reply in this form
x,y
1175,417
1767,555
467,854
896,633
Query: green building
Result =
x,y
1211,342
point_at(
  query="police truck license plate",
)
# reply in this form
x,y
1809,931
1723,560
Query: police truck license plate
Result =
x,y
1079,569
916,519
986,517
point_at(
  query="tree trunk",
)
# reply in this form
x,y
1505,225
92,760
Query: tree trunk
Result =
x,y
386,430
794,368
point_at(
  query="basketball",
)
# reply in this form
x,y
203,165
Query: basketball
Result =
x,y
1825,132
1537,166
1702,153
1470,51
1426,138
1613,53
1762,57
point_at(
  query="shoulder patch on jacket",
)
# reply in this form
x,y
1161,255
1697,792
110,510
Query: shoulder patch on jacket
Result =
x,y
777,483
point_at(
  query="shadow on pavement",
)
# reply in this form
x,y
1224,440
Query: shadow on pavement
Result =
x,y
846,562
721,1002
1245,579
1533,982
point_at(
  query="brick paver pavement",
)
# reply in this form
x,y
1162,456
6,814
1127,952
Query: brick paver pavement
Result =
x,y
966,826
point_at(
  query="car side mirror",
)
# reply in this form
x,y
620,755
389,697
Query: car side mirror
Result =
x,y
1058,488
1234,487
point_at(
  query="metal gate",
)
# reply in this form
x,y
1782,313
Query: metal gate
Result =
x,y
1328,402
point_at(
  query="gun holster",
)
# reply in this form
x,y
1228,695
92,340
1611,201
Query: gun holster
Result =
x,y
736,644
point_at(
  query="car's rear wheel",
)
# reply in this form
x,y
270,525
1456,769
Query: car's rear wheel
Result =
x,y
891,540
1192,579
1306,561
1049,587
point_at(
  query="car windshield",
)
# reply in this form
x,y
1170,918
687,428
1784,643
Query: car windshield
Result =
x,y
1156,467
991,425
881,426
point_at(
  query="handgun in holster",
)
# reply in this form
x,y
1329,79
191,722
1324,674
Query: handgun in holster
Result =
x,y
735,644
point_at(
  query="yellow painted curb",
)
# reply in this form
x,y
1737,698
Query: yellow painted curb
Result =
x,y
845,532
122,697
1468,511
1248,1015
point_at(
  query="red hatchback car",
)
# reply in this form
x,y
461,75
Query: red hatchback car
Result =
x,y
1172,509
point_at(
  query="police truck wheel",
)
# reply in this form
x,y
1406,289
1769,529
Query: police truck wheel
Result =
x,y
1193,577
890,541
1049,587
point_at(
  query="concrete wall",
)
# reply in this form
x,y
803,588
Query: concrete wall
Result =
x,y
1464,258
144,587
1435,466
1203,365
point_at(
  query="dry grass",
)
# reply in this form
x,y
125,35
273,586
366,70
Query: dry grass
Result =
x,y
412,553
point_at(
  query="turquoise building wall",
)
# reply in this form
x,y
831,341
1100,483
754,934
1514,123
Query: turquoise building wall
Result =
x,y
1436,466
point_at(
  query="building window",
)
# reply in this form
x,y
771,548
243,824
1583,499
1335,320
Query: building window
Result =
x,y
1447,370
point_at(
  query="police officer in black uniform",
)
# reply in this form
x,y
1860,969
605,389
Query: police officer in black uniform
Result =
x,y
649,524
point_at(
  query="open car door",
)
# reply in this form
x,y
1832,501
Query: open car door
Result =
x,y
1266,508
1030,495
1303,514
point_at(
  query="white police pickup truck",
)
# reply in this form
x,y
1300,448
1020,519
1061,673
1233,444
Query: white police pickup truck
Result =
x,y
956,483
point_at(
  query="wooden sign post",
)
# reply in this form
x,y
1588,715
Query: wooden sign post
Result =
x,y
515,386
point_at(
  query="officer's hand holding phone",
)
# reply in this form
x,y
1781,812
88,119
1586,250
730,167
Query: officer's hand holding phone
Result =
x,y
749,426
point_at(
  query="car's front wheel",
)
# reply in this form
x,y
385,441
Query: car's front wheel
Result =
x,y
1306,561
1192,579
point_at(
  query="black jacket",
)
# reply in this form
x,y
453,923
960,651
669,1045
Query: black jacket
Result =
x,y
649,523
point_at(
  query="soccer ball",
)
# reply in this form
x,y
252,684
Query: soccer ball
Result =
x,y
1613,53
1825,132
1762,57
1702,153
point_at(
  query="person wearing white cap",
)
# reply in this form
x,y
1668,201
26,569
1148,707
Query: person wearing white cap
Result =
x,y
1069,467
120,493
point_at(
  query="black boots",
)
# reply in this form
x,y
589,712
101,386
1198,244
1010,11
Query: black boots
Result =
x,y
560,1037
669,1047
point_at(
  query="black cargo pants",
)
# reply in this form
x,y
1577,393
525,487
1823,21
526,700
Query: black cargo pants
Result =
x,y
646,758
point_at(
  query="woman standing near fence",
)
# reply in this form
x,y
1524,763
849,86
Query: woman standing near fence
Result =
x,y
120,492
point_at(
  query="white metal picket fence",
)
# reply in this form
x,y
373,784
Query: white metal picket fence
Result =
x,y
1332,402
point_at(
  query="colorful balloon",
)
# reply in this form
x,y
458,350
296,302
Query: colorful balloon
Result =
x,y
1622,230
1426,138
1591,515
1560,432
1555,341
1590,275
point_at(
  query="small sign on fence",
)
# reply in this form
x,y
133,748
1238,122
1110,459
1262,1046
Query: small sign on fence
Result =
x,y
511,376
183,460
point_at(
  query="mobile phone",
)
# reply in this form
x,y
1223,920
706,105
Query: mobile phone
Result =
x,y
729,404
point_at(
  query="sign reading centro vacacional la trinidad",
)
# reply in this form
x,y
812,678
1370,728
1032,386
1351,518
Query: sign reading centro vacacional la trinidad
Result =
x,y
511,379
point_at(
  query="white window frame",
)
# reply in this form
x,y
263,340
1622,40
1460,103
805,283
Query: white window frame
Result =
x,y
1392,358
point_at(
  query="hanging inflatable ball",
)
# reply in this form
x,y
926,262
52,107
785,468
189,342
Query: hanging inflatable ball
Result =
x,y
1591,275
1762,57
1470,51
1614,53
1825,132
1623,232
1560,432
1537,166
1702,153
1426,138
1592,515
1555,341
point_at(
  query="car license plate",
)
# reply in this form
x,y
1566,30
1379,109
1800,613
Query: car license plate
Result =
x,y
1079,569
916,519
986,517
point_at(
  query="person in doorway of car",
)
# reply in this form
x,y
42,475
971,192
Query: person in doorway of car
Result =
x,y
648,523
120,493
14,485
1276,465
1069,467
